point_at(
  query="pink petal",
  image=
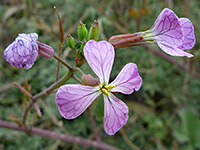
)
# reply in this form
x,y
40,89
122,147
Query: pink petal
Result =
x,y
73,99
188,32
115,114
100,57
127,80
174,51
168,28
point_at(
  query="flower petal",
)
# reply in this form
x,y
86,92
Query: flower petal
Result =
x,y
167,28
100,57
174,51
23,52
127,80
73,99
188,32
115,114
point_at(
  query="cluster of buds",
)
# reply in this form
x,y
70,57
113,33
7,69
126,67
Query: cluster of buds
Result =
x,y
84,36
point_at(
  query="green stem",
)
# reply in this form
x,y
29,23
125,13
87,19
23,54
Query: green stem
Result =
x,y
63,62
45,92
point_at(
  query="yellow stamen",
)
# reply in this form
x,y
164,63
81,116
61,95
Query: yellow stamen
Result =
x,y
105,91
106,88
109,87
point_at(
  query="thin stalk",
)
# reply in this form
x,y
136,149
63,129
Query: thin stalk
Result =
x,y
54,135
45,92
63,62
60,45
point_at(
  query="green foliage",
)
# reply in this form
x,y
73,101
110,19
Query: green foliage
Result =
x,y
188,131
153,122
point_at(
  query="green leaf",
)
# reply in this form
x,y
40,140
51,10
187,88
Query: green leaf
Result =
x,y
189,130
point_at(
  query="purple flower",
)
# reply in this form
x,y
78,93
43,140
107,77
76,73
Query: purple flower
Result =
x,y
172,34
23,52
73,99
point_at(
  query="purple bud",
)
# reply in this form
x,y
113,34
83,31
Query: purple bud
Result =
x,y
45,50
88,79
23,52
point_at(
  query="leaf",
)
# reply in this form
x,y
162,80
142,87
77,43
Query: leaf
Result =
x,y
189,130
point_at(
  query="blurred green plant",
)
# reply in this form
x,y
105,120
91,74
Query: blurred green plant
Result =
x,y
188,132
166,87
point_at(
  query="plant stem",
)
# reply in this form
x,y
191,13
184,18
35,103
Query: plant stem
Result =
x,y
54,135
60,45
126,139
45,92
93,124
63,62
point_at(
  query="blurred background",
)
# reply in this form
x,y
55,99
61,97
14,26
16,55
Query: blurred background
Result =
x,y
163,114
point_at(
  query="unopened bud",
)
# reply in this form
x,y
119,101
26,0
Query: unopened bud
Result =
x,y
82,32
88,79
23,52
70,41
81,49
94,31
45,50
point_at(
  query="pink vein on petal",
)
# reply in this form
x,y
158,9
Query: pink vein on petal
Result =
x,y
73,99
127,80
188,32
167,28
100,57
115,114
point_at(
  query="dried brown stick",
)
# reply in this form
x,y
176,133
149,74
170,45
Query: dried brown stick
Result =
x,y
54,135
93,124
29,95
60,45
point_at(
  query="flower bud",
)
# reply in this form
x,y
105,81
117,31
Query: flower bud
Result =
x,y
82,32
88,79
81,48
94,31
45,50
23,52
70,41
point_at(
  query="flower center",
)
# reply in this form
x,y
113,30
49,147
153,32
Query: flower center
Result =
x,y
106,88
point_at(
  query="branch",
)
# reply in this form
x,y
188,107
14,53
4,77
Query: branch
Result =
x,y
45,92
63,62
126,139
54,135
93,124
61,43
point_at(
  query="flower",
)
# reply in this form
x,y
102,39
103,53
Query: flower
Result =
x,y
73,99
172,34
23,52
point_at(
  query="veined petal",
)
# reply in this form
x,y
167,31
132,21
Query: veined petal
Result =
x,y
100,57
174,51
127,80
188,32
23,52
73,99
115,114
167,28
